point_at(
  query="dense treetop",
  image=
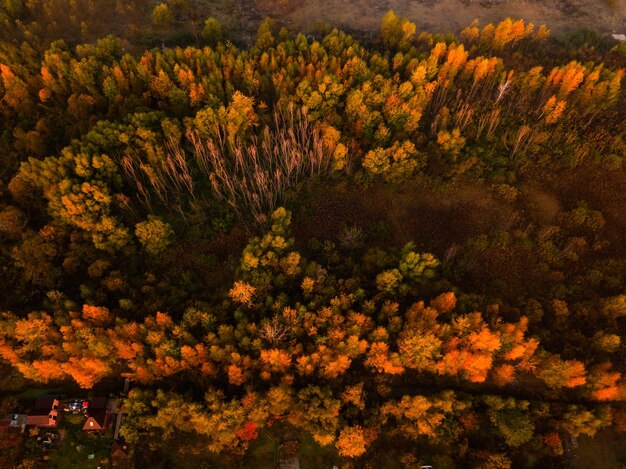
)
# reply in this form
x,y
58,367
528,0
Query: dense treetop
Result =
x,y
149,206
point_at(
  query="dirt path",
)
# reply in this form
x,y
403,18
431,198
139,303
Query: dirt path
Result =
x,y
442,16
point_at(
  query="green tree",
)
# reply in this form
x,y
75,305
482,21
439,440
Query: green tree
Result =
x,y
317,412
389,281
154,235
395,31
511,418
161,15
418,267
212,31
265,37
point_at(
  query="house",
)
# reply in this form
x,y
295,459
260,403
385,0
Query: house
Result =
x,y
45,413
98,415
119,451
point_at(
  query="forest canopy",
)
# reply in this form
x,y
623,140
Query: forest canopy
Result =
x,y
417,239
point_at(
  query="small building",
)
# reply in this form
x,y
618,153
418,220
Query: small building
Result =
x,y
12,421
98,415
119,451
292,462
45,413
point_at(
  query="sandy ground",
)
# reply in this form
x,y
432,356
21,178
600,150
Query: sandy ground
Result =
x,y
444,16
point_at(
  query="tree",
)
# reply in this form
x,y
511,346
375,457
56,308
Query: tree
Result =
x,y
161,15
265,38
451,142
394,164
396,32
615,306
489,460
242,293
443,303
81,192
276,360
351,442
604,382
557,373
86,371
249,431
389,281
317,412
416,415
510,32
578,420
154,235
419,350
34,331
511,418
14,7
354,395
10,445
279,400
382,361
608,343
333,339
37,257
12,222
212,31
417,267
100,316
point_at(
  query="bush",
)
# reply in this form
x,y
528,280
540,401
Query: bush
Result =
x,y
212,31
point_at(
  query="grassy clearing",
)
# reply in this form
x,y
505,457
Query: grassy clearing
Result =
x,y
313,456
34,393
607,450
262,453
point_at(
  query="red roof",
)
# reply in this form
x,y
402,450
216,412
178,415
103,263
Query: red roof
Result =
x,y
44,413
45,403
98,419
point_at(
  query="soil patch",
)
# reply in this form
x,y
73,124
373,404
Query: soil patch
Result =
x,y
441,220
543,204
435,220
602,189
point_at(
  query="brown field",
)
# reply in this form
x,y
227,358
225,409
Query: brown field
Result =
x,y
442,220
92,19
443,16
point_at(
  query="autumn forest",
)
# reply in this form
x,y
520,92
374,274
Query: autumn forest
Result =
x,y
392,251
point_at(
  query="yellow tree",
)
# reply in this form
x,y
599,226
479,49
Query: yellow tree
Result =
x,y
416,415
351,442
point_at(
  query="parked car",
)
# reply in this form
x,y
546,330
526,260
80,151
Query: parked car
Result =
x,y
77,406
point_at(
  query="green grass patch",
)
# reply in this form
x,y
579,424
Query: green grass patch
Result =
x,y
87,450
313,456
34,393
607,450
262,453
